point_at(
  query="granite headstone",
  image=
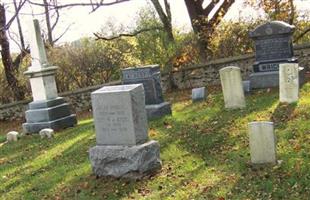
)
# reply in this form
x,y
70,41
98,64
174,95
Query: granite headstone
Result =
x,y
122,148
273,46
149,76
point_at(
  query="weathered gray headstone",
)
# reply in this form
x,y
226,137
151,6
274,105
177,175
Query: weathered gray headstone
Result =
x,y
198,94
289,82
262,143
149,76
273,46
47,109
119,117
121,128
232,87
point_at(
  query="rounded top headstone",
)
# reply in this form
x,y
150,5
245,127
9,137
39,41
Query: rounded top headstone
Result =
x,y
272,28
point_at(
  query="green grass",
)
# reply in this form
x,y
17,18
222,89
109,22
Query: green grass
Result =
x,y
204,149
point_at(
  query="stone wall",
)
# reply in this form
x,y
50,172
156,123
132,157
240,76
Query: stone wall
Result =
x,y
208,73
195,76
79,100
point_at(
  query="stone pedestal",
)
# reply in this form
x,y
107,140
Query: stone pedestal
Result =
x,y
54,114
121,128
232,87
262,143
260,80
289,83
149,76
125,161
47,109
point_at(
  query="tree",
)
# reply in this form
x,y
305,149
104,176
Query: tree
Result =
x,y
203,23
165,18
282,10
10,66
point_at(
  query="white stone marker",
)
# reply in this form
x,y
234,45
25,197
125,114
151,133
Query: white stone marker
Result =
x,y
289,82
232,87
198,94
262,142
12,136
120,115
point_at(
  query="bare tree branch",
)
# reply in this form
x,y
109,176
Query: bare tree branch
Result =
x,y
302,34
94,5
100,37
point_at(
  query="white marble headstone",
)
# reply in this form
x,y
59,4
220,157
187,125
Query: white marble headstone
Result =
x,y
120,115
262,142
289,82
232,87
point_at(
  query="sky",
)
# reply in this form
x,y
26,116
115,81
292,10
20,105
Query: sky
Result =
x,y
84,23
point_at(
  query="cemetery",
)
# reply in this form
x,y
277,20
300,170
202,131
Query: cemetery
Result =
x,y
230,128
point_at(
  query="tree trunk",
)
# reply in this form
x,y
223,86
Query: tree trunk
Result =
x,y
7,59
48,24
165,18
21,36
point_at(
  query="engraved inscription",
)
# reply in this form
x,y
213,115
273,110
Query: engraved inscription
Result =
x,y
268,67
137,74
273,48
114,119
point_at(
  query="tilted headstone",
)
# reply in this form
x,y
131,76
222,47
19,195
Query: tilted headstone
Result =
x,y
232,87
198,94
289,82
273,46
47,110
262,143
149,76
122,148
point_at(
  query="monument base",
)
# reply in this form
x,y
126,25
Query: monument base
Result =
x,y
158,110
54,114
260,80
132,162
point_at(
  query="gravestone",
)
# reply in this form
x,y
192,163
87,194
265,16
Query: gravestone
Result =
x,y
273,46
47,110
262,143
232,87
198,94
149,76
122,149
246,86
289,82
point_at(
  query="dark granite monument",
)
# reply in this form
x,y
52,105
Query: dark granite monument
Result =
x,y
273,46
149,76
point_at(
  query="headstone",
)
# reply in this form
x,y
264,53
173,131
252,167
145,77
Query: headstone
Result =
x,y
262,143
149,76
122,148
47,110
273,46
246,86
119,117
232,87
198,94
289,82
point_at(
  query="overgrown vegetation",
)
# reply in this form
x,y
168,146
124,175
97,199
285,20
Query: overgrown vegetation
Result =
x,y
204,149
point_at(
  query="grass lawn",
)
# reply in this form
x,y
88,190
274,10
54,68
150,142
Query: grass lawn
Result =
x,y
204,150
